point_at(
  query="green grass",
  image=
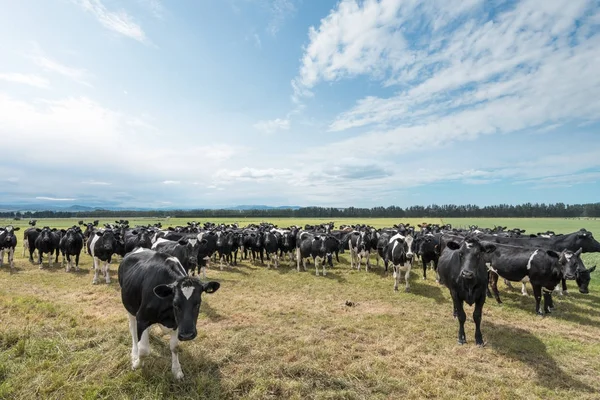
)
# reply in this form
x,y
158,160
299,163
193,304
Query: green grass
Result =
x,y
274,334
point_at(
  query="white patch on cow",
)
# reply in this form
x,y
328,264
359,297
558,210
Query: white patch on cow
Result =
x,y
568,256
525,279
396,236
490,268
192,241
138,250
530,260
469,245
187,291
175,260
159,241
394,247
93,243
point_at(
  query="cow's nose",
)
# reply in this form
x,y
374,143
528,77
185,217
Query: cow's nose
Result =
x,y
584,291
468,274
186,336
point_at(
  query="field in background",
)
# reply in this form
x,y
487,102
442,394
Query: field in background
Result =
x,y
283,334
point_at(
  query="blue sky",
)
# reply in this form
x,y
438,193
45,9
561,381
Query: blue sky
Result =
x,y
154,103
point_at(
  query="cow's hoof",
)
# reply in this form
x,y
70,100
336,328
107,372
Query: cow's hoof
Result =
x,y
480,343
177,374
462,341
95,282
395,289
135,363
407,290
565,293
424,278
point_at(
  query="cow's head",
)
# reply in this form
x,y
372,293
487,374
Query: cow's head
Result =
x,y
472,265
571,263
583,278
185,295
45,235
9,234
586,241
110,239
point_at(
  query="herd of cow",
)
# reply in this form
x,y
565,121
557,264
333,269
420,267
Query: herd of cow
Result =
x,y
163,262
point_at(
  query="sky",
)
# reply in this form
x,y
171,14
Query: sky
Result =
x,y
216,103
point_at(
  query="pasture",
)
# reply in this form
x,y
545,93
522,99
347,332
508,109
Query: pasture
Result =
x,y
279,334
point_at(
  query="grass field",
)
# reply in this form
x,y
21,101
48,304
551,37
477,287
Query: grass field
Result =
x,y
275,334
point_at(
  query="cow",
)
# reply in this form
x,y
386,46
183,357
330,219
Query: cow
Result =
x,y
156,289
185,250
543,268
398,252
47,241
32,222
101,246
462,269
8,242
137,238
319,247
71,244
573,241
271,246
427,247
360,246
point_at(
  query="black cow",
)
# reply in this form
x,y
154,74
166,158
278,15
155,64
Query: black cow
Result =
x,y
462,269
138,238
8,242
427,247
271,246
186,251
101,246
47,241
71,244
155,289
581,239
32,222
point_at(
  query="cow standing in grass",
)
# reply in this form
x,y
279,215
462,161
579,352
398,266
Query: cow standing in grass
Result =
x,y
156,289
71,245
8,242
47,241
101,246
462,269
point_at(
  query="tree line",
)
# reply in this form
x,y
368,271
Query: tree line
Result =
x,y
527,210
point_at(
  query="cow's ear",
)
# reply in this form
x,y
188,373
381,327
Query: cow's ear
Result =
x,y
99,233
452,245
211,287
63,231
183,242
164,291
16,229
134,232
592,269
38,230
489,248
553,254
578,252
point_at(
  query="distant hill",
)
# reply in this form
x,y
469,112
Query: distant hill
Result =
x,y
78,208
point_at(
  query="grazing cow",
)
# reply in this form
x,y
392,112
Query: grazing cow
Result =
x,y
71,244
47,241
8,242
398,252
462,269
101,246
319,247
186,251
544,269
155,289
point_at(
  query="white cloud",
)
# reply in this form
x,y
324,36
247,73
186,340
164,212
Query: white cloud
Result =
x,y
53,198
78,75
119,21
26,79
94,182
171,182
274,125
253,174
280,11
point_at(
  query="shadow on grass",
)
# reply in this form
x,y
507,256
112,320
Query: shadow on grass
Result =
x,y
433,292
521,345
210,312
564,310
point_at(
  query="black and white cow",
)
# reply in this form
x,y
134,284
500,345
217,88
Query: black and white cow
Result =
x,y
101,246
71,244
8,242
360,246
398,252
47,241
32,222
138,238
271,246
462,269
543,268
320,247
156,289
186,251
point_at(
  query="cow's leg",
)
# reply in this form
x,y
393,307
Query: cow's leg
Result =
x,y
11,257
77,261
1,257
68,257
406,275
144,345
368,264
351,254
397,277
424,268
56,259
25,246
324,270
304,263
106,271
298,257
96,270
462,317
276,261
537,293
564,287
495,287
40,259
175,366
548,304
316,262
477,319
508,284
524,289
50,255
133,329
